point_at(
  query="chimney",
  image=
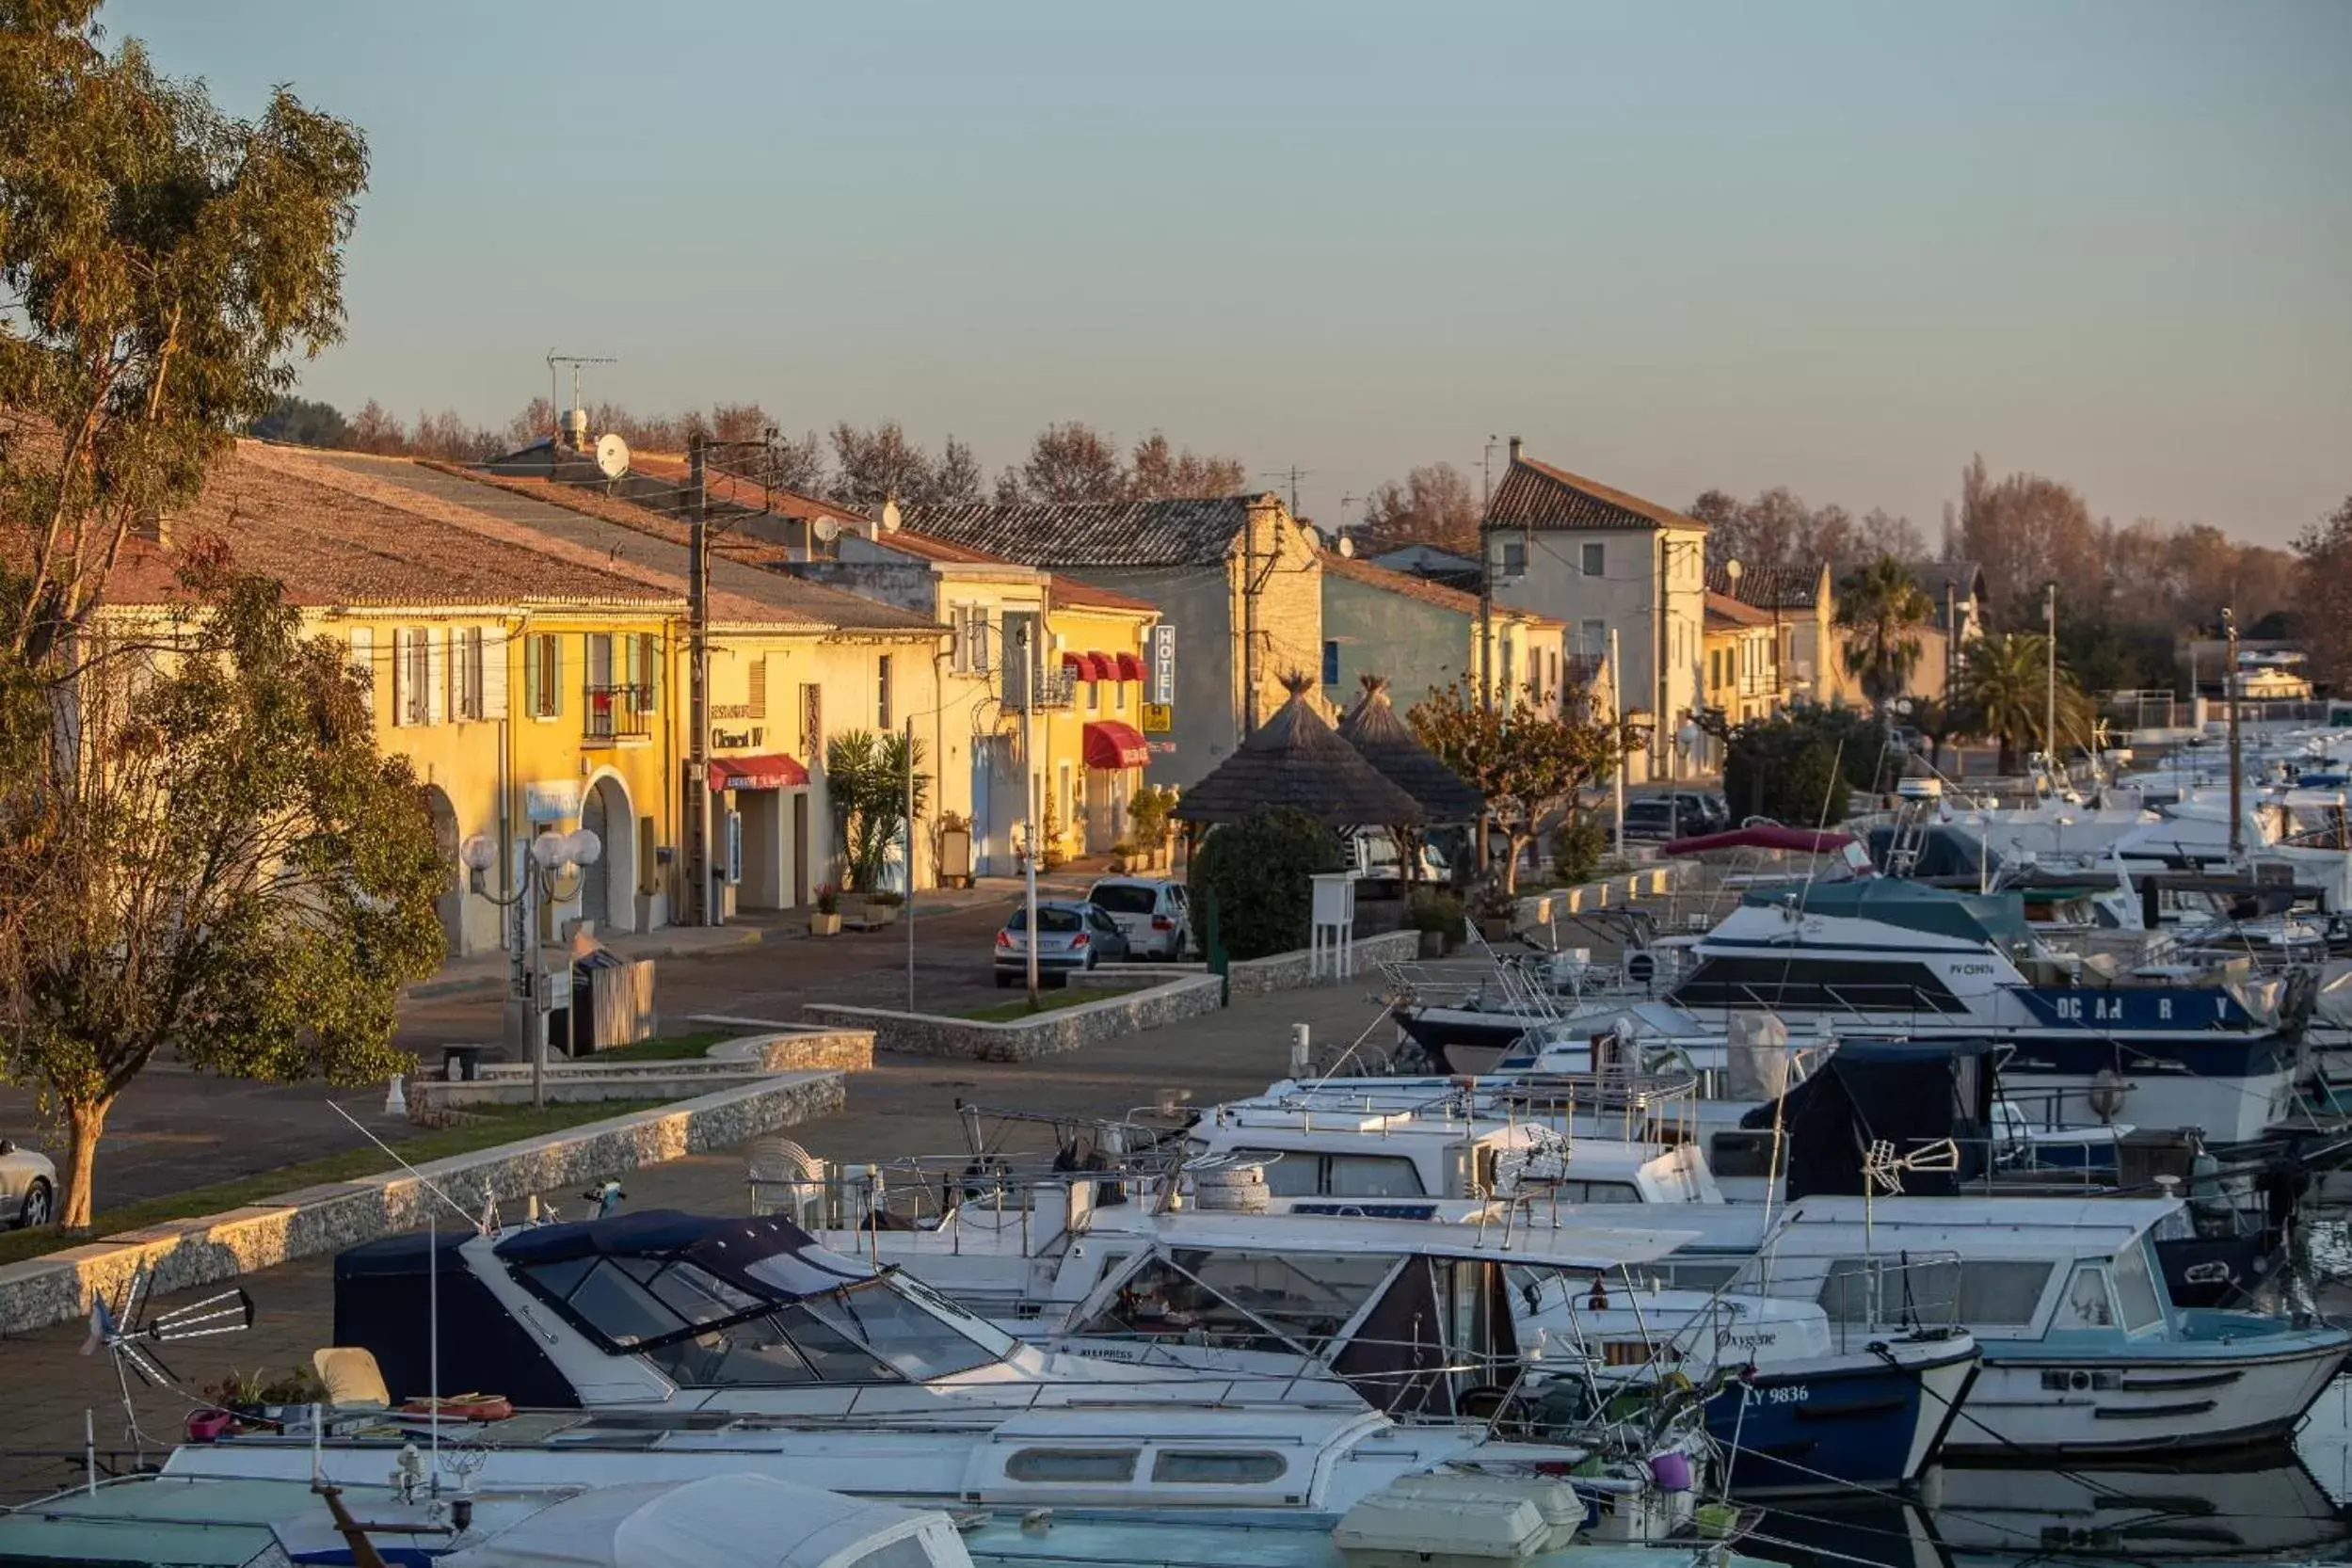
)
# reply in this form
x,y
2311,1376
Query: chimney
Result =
x,y
576,430
1515,448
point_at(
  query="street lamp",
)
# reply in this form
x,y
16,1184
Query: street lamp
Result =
x,y
553,858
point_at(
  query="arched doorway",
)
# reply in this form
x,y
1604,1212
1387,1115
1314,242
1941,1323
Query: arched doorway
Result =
x,y
449,904
608,889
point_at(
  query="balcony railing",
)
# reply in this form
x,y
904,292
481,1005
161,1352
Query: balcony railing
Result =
x,y
1055,689
613,713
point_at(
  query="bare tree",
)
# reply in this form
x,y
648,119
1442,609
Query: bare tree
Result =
x,y
376,428
955,477
1072,462
1432,505
877,464
1158,472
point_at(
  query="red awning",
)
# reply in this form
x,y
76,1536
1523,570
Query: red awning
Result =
x,y
767,770
1804,841
1086,666
1130,667
1111,746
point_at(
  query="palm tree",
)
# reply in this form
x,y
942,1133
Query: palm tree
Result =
x,y
1882,608
2004,686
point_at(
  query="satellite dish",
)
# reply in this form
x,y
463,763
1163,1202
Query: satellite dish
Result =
x,y
1347,547
612,455
827,530
1314,535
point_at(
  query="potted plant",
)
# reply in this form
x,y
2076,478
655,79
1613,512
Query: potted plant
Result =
x,y
1126,858
827,921
1497,912
881,906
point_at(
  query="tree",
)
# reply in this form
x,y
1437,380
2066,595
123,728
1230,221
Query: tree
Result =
x,y
1788,768
1156,472
1432,505
217,862
1073,462
1258,870
865,782
956,478
2004,688
2322,595
377,429
873,466
1881,609
303,423
2025,531
162,262
1528,765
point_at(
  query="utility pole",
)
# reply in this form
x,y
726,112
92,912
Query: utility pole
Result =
x,y
1293,474
1661,742
702,908
2237,769
909,916
1617,714
1036,787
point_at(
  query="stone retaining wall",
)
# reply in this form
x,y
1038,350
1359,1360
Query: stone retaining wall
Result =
x,y
724,1065
1065,1029
1288,971
58,1287
1608,893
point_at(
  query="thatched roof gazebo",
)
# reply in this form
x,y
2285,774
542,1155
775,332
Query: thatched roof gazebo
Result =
x,y
1297,760
1373,728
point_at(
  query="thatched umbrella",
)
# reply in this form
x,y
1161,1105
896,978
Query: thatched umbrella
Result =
x,y
1373,728
1295,759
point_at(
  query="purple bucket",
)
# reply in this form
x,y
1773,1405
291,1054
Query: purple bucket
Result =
x,y
1670,1470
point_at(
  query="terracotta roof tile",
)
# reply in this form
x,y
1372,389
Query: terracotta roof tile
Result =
x,y
1724,612
1537,495
1412,585
743,489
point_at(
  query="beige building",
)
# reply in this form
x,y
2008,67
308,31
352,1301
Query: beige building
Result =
x,y
1601,562
1235,581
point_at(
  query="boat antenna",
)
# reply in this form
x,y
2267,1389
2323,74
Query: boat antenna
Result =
x,y
423,1180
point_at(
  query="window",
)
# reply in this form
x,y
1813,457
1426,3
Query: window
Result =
x,y
970,623
1241,1302
465,672
882,698
1515,558
1996,1294
1598,1192
756,688
1330,662
2136,1291
1590,558
916,1344
811,720
1741,1153
413,676
1337,1175
2087,1303
1509,682
1094,696
1592,639
1072,1465
1124,898
1894,985
543,674
1248,1468
364,663
644,673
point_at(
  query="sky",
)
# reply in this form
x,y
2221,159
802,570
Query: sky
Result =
x,y
1675,245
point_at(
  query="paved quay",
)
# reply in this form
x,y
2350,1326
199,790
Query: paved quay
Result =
x,y
906,1105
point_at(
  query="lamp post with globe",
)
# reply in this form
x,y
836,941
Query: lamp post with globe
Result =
x,y
553,859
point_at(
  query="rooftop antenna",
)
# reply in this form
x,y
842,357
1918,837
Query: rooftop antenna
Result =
x,y
555,409
130,1338
1293,474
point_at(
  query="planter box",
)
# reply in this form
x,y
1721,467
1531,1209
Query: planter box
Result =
x,y
823,925
1496,929
1432,944
861,915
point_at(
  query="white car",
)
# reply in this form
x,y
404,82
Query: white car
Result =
x,y
1151,912
28,1187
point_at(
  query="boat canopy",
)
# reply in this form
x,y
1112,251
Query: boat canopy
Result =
x,y
1995,918
768,1255
725,1521
1801,841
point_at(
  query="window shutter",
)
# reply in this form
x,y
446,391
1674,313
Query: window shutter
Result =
x,y
649,672
364,663
490,662
436,674
533,652
759,694
555,677
400,674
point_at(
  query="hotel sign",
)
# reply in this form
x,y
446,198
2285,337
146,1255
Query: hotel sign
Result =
x,y
1163,684
1158,719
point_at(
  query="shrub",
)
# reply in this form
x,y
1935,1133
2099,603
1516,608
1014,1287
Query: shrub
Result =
x,y
1257,870
1577,844
1147,816
1430,910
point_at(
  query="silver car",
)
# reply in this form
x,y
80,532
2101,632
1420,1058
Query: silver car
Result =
x,y
28,1185
1072,937
1150,911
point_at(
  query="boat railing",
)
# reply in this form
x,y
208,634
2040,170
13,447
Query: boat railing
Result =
x,y
1867,1297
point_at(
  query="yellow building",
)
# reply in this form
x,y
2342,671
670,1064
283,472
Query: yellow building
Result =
x,y
1094,748
522,684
